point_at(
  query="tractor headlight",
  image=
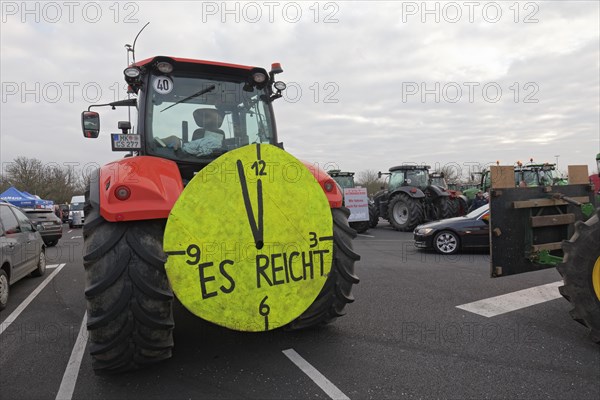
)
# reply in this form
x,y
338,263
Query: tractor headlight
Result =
x,y
279,85
131,72
164,67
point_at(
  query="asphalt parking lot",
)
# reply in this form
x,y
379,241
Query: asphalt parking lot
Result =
x,y
404,337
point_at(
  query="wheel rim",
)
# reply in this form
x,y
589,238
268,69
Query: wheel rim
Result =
x,y
596,278
3,289
400,213
446,242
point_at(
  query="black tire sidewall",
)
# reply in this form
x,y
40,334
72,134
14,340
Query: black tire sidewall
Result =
x,y
7,288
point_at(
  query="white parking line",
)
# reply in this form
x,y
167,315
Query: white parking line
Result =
x,y
13,316
329,388
514,301
363,235
76,237
67,385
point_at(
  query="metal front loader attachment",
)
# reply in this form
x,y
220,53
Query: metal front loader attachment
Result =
x,y
529,224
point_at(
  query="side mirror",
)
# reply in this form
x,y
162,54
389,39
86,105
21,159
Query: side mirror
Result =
x,y
90,124
379,174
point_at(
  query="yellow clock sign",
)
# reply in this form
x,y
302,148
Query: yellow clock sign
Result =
x,y
250,240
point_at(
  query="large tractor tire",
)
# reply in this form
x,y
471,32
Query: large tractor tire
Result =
x,y
129,301
405,213
580,270
373,216
360,226
463,206
337,291
445,207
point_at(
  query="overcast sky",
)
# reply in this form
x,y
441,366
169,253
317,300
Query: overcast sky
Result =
x,y
370,84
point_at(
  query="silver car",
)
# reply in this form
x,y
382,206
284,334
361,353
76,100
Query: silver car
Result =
x,y
22,250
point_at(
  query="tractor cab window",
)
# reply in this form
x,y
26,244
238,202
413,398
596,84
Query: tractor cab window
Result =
x,y
439,181
530,178
396,180
345,181
191,119
418,178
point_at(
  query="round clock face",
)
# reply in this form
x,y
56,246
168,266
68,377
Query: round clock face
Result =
x,y
250,240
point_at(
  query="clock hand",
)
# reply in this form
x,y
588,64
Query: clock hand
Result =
x,y
257,228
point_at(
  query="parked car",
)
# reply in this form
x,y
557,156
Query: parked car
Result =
x,y
64,209
47,223
22,250
450,235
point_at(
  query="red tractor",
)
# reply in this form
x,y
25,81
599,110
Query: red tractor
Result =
x,y
459,201
208,207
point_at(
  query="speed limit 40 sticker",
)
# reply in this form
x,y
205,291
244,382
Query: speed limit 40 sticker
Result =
x,y
250,240
162,84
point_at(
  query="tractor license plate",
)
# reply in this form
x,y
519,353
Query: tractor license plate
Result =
x,y
124,142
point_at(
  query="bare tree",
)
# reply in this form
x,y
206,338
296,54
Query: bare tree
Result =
x,y
50,182
4,184
451,174
370,180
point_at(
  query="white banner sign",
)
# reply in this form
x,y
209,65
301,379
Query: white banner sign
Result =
x,y
357,201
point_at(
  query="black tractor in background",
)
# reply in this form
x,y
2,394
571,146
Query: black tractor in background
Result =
x,y
410,199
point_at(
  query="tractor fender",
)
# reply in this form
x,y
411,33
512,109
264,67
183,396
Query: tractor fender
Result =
x,y
438,191
154,185
413,192
330,188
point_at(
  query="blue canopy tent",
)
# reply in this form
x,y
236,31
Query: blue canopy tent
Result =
x,y
41,202
24,199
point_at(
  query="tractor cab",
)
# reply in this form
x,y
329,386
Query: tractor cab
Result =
x,y
537,175
408,175
192,111
438,179
344,179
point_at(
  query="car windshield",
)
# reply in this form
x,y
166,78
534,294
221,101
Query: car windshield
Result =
x,y
189,118
478,211
76,207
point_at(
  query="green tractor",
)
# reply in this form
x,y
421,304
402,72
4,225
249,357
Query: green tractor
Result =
x,y
410,199
533,174
538,227
346,181
528,175
483,185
